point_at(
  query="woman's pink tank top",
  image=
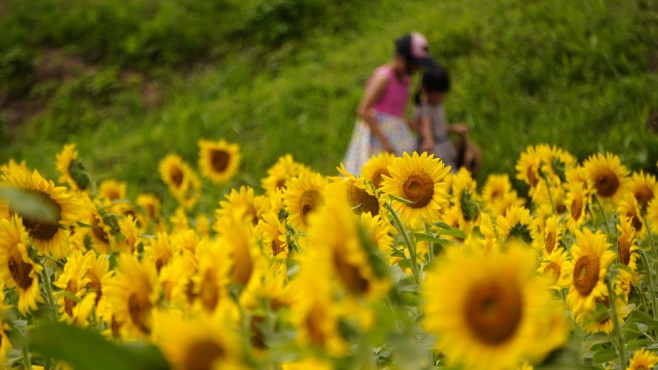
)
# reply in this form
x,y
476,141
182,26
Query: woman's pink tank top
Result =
x,y
394,98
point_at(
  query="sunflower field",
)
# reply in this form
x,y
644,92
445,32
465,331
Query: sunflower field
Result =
x,y
409,265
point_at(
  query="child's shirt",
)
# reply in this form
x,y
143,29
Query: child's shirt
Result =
x,y
443,147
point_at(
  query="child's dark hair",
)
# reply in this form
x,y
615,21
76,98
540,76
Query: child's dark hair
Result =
x,y
434,80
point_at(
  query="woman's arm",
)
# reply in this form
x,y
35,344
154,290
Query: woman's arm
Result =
x,y
373,92
458,128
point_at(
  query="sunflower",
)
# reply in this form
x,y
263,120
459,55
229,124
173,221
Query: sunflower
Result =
x,y
528,166
418,179
70,170
180,178
98,277
498,194
557,267
209,283
150,205
241,204
158,252
358,195
607,174
131,236
17,269
465,196
551,235
200,342
48,229
578,201
379,231
644,188
643,360
132,296
515,225
336,237
652,215
5,343
591,259
597,321
173,279
111,190
218,160
628,207
626,244
304,196
495,312
280,173
274,238
71,281
376,168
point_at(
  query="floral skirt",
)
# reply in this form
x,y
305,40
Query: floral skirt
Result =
x,y
364,144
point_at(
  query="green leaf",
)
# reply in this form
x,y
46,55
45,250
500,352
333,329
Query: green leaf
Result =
x,y
453,232
30,204
85,349
605,355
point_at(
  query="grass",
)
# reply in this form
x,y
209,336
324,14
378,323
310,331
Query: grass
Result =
x,y
581,76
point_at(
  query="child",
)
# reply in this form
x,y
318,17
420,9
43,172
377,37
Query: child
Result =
x,y
433,129
382,126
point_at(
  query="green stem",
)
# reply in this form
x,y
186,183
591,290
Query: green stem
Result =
x,y
652,295
27,363
430,245
548,190
621,347
605,218
52,307
650,235
407,241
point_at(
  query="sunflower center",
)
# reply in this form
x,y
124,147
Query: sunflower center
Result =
x,y
177,176
635,221
586,275
350,275
98,232
277,246
644,195
219,159
71,287
553,269
139,309
377,177
309,202
576,208
313,321
361,201
493,312
419,189
20,271
549,241
532,177
281,184
202,355
95,285
257,335
624,250
605,316
606,183
41,228
208,292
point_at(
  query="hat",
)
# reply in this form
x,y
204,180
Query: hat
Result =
x,y
413,46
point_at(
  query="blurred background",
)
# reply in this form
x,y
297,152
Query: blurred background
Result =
x,y
131,81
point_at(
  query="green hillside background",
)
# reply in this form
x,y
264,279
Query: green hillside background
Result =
x,y
131,81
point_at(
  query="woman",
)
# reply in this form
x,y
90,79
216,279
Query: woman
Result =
x,y
382,125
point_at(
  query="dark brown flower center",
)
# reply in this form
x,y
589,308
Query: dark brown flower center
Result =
x,y
46,227
202,355
219,160
532,176
419,189
349,275
644,195
139,310
576,208
257,335
377,177
549,241
586,275
361,201
606,183
493,312
176,175
209,291
277,246
71,287
20,271
309,202
243,265
313,323
624,250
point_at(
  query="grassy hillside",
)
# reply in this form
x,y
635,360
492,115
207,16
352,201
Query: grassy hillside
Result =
x,y
285,76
